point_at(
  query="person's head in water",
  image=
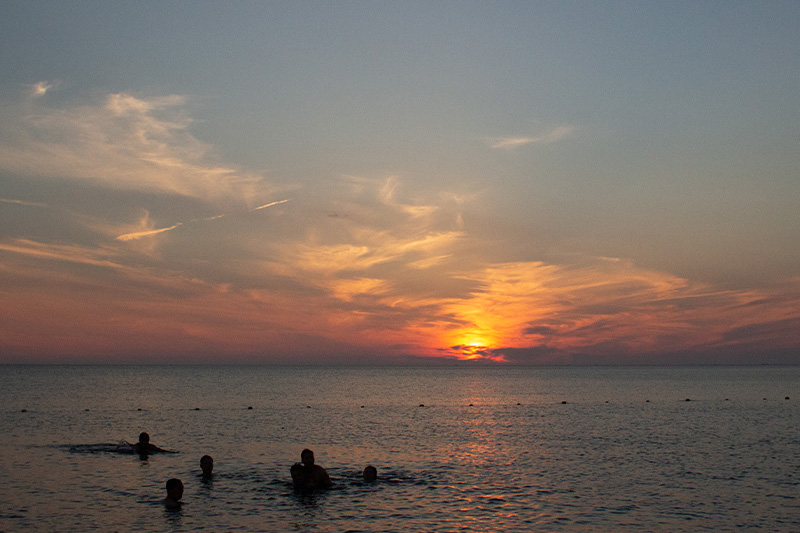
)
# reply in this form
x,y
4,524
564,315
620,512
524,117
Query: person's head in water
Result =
x,y
174,492
207,465
307,457
144,438
370,473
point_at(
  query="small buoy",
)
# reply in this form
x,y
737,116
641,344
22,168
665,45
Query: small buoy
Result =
x,y
765,399
727,400
470,405
688,400
647,401
606,401
563,402
519,403
24,411
362,406
786,398
308,407
250,407
86,410
422,405
139,409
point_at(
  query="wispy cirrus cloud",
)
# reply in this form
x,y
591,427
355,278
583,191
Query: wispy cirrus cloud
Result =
x,y
510,143
279,202
122,141
373,226
367,252
149,231
22,202
60,252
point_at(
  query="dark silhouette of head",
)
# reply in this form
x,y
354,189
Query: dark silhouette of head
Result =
x,y
307,457
144,438
370,473
174,489
207,465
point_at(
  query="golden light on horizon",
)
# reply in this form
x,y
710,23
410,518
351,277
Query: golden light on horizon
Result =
x,y
472,344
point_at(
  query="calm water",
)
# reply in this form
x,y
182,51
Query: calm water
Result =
x,y
627,451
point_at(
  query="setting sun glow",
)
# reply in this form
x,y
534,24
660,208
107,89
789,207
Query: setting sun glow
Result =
x,y
301,185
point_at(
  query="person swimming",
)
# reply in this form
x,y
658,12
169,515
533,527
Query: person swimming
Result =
x,y
207,466
370,473
174,494
144,447
309,475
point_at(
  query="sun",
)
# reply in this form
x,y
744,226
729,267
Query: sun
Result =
x,y
472,346
475,341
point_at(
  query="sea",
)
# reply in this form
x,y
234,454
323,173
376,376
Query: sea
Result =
x,y
457,448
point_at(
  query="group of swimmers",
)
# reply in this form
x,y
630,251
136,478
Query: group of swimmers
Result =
x,y
306,475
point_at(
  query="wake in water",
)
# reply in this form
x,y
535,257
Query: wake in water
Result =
x,y
105,447
143,447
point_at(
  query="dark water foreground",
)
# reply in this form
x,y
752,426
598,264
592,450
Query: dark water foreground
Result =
x,y
625,452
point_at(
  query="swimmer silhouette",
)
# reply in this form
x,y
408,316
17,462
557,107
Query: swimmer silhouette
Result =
x,y
308,475
174,494
370,473
143,447
207,466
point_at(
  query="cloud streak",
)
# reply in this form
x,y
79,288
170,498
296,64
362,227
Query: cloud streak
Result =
x,y
149,233
269,205
511,143
65,253
22,202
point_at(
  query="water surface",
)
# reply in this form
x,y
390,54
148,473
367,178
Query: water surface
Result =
x,y
457,449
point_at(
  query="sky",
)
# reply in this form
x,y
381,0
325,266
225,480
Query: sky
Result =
x,y
554,182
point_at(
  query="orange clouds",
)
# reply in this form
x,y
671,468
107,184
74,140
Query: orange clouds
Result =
x,y
611,308
81,301
354,268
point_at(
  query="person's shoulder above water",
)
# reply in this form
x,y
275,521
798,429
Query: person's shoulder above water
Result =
x,y
320,477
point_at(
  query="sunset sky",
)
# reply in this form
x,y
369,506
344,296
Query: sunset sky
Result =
x,y
395,182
